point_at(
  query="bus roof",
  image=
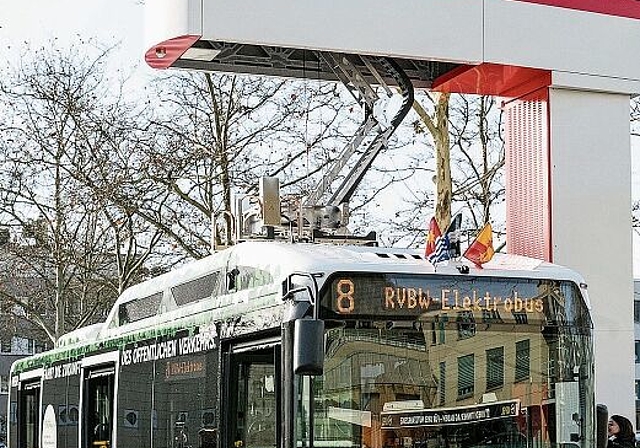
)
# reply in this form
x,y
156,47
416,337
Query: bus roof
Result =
x,y
282,259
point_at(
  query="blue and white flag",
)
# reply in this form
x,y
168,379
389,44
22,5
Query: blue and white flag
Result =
x,y
448,244
441,252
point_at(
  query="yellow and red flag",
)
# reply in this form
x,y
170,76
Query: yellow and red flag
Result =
x,y
432,237
481,250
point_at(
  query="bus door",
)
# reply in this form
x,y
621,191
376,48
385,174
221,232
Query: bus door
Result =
x,y
29,414
253,376
98,406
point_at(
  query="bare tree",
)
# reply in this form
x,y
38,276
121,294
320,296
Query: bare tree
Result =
x,y
635,135
438,126
465,174
478,158
60,261
214,135
635,116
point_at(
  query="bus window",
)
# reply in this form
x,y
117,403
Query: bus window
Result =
x,y
29,415
98,406
252,394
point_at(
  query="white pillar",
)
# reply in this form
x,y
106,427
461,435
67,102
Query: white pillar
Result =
x,y
590,185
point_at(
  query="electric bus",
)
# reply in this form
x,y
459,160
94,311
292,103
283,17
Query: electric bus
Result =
x,y
285,345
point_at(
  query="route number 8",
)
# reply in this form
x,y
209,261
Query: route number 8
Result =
x,y
345,302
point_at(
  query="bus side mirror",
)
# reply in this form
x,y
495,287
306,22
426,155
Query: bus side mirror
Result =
x,y
308,347
602,418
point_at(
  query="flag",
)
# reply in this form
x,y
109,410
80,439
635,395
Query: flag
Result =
x,y
481,250
447,246
432,237
453,233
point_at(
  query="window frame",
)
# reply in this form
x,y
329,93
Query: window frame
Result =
x,y
495,363
466,376
523,363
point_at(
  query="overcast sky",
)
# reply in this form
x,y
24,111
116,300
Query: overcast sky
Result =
x,y
41,21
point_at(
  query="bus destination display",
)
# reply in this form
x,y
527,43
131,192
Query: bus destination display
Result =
x,y
411,295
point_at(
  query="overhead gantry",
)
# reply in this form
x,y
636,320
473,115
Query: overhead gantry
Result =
x,y
566,69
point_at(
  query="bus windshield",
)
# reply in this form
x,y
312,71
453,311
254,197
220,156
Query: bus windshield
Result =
x,y
415,369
